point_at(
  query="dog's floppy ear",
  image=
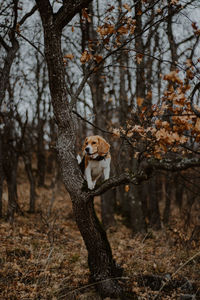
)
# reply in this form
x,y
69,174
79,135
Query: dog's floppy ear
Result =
x,y
103,146
84,144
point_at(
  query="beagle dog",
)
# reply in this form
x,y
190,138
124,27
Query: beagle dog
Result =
x,y
96,159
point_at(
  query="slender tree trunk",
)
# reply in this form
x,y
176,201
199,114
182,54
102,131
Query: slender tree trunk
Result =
x,y
168,194
135,196
5,72
100,260
97,86
154,213
11,179
41,163
136,210
108,201
29,172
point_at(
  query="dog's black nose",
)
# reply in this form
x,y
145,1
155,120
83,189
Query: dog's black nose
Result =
x,y
87,149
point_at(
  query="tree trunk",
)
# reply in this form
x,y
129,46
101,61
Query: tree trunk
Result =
x,y
29,172
102,266
11,177
10,164
154,212
108,203
41,163
101,263
5,71
168,194
136,210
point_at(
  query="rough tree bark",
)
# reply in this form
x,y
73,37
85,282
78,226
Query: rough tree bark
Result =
x,y
101,263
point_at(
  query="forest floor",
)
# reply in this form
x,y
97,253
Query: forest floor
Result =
x,y
42,255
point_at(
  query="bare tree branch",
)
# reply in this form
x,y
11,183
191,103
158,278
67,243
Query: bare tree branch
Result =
x,y
26,16
67,11
22,36
4,44
174,165
145,172
90,123
125,178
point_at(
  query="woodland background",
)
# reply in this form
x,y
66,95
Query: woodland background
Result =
x,y
142,96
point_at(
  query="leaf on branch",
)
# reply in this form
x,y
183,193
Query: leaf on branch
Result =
x,y
174,2
122,30
110,9
85,57
85,15
106,29
116,132
149,95
140,101
139,57
173,76
188,62
127,188
194,26
197,125
139,12
126,6
117,41
197,32
129,134
190,74
98,58
132,29
159,11
69,56
18,28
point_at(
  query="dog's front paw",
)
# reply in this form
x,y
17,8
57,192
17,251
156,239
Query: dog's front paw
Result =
x,y
90,187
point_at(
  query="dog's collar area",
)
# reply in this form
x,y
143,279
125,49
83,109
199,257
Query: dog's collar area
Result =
x,y
98,158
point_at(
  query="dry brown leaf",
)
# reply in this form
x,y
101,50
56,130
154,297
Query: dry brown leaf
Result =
x,y
140,101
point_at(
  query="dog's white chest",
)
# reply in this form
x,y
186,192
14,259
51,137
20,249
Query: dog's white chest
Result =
x,y
97,168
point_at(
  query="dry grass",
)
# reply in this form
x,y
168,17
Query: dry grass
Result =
x,y
42,256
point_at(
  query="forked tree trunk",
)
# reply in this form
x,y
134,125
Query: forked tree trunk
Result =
x,y
101,263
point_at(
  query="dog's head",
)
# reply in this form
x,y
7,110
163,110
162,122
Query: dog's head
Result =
x,y
95,146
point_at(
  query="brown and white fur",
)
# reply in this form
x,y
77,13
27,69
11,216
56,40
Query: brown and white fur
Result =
x,y
96,159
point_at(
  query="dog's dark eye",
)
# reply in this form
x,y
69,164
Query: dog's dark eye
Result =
x,y
86,143
93,143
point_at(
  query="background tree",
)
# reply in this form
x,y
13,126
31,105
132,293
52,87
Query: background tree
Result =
x,y
10,142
